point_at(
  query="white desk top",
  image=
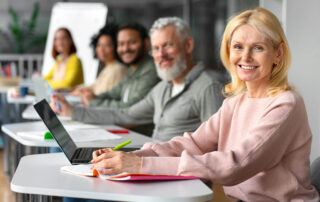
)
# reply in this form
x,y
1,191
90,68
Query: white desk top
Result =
x,y
28,99
12,129
36,175
30,113
31,99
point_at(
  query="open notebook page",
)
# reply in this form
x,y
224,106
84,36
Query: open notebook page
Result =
x,y
85,170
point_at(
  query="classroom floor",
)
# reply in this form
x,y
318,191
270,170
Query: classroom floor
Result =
x,y
6,195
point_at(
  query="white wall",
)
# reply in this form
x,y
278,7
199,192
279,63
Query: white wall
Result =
x,y
303,31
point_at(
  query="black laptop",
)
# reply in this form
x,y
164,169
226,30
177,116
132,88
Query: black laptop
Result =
x,y
75,154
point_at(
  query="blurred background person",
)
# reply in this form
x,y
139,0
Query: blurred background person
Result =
x,y
67,70
132,48
104,45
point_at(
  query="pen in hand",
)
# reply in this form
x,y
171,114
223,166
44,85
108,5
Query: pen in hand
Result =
x,y
51,93
122,145
116,148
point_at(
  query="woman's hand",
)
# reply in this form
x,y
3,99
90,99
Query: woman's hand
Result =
x,y
65,107
76,91
109,162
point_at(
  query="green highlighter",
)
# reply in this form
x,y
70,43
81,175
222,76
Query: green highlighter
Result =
x,y
122,145
48,136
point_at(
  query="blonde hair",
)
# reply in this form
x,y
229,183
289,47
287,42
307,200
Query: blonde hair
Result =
x,y
268,24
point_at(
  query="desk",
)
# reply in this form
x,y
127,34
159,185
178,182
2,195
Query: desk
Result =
x,y
23,145
36,175
30,113
5,85
31,99
12,129
28,99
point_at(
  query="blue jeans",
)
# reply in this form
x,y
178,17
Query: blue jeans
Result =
x,y
66,199
55,149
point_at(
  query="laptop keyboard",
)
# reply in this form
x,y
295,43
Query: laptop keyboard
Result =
x,y
84,153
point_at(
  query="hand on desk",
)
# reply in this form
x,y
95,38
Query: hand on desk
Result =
x,y
108,162
65,107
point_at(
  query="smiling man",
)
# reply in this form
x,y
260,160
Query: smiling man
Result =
x,y
132,48
188,95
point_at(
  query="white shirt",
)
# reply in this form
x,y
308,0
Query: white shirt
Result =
x,y
176,89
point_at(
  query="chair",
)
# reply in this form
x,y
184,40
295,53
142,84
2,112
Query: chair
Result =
x,y
315,174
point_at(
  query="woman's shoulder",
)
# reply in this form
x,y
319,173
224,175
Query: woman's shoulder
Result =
x,y
74,57
289,96
117,64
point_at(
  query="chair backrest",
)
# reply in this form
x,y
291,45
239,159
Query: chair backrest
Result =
x,y
83,20
315,174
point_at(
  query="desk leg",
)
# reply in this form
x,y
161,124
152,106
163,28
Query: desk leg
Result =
x,y
6,150
13,151
19,152
5,118
19,197
33,198
45,199
40,198
5,108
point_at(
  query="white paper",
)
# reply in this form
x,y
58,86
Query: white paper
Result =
x,y
81,135
87,135
71,125
38,135
84,169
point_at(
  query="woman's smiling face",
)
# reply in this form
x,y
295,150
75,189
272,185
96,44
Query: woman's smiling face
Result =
x,y
252,55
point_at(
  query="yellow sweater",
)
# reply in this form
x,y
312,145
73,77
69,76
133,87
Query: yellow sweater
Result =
x,y
72,77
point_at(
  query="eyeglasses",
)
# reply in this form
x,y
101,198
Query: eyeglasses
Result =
x,y
167,47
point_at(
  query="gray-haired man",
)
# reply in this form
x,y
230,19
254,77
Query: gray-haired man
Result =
x,y
187,96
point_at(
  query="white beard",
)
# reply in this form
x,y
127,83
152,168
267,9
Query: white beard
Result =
x,y
174,72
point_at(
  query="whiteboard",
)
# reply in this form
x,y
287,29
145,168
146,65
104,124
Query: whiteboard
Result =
x,y
83,20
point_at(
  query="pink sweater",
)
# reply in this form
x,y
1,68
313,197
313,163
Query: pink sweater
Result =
x,y
258,149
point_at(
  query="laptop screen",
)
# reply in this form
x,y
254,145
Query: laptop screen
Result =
x,y
56,128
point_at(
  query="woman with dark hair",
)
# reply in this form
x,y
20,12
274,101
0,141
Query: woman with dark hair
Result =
x,y
67,70
104,46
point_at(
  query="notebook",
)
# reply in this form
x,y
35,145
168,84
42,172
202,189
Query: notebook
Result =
x,y
76,155
85,170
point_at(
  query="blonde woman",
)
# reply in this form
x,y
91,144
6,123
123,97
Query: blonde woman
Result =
x,y
258,144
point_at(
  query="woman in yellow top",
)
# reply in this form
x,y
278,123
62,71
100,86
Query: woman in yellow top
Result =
x,y
67,70
104,46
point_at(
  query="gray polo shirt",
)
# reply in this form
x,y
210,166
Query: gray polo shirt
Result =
x,y
200,98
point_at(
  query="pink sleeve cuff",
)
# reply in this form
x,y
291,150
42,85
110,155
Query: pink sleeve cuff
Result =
x,y
145,152
160,165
